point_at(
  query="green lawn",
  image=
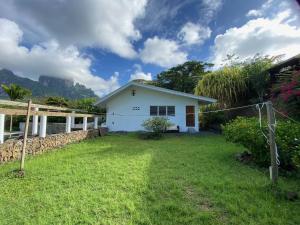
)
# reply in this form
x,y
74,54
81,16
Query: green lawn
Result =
x,y
120,179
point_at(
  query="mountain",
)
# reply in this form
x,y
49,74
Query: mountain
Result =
x,y
46,86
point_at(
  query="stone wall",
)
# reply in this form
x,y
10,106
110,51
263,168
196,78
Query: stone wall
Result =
x,y
11,149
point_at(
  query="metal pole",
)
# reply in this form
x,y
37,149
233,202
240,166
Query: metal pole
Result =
x,y
271,127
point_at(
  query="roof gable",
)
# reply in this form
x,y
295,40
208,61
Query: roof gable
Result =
x,y
203,99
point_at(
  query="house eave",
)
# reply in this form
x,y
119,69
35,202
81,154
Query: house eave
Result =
x,y
201,99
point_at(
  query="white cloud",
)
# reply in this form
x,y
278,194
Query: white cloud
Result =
x,y
162,52
266,36
260,11
210,8
90,23
48,58
139,74
254,13
192,33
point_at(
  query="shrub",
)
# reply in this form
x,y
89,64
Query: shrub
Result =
x,y
156,125
246,131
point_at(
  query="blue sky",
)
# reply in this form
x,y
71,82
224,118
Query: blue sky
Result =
x,y
224,18
104,44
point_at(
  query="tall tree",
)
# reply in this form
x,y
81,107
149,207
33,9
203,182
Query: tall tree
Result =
x,y
183,77
15,92
228,85
256,71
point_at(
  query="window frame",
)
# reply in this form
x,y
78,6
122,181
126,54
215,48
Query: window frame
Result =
x,y
151,106
162,107
168,111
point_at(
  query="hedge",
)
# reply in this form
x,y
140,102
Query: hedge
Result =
x,y
246,131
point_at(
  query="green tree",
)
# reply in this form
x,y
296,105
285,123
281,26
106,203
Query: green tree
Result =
x,y
57,101
183,77
15,92
86,104
228,85
257,74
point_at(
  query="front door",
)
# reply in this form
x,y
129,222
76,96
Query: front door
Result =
x,y
190,115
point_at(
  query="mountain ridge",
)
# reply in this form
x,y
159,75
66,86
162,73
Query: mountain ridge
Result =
x,y
46,86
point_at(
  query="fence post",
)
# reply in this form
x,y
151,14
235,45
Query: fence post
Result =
x,y
68,124
25,138
43,126
273,151
35,123
2,124
84,125
73,120
95,122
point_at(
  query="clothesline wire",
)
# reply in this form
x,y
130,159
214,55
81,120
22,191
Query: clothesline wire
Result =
x,y
286,116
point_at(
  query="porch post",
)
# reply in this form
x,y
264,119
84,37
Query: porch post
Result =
x,y
68,124
73,120
43,126
2,124
84,125
95,122
35,123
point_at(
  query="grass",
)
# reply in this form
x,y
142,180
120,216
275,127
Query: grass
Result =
x,y
120,179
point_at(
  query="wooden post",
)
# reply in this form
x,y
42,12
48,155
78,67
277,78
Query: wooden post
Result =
x,y
271,127
43,126
68,124
25,137
2,125
95,122
35,123
84,125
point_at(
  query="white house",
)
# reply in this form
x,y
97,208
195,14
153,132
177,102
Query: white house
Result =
x,y
133,103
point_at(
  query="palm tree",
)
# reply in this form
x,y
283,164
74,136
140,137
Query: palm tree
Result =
x,y
15,92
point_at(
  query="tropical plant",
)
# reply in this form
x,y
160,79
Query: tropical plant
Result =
x,y
15,92
57,101
183,77
86,104
156,125
228,85
257,74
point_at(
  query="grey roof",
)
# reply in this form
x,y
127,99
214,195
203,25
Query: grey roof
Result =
x,y
202,99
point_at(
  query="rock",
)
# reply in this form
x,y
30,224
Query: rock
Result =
x,y
11,149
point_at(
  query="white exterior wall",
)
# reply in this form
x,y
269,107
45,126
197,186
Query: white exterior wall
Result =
x,y
131,120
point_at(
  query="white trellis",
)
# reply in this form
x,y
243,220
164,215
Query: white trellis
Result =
x,y
39,117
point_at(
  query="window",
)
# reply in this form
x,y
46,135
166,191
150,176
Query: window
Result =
x,y
133,92
136,108
153,110
162,110
171,110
